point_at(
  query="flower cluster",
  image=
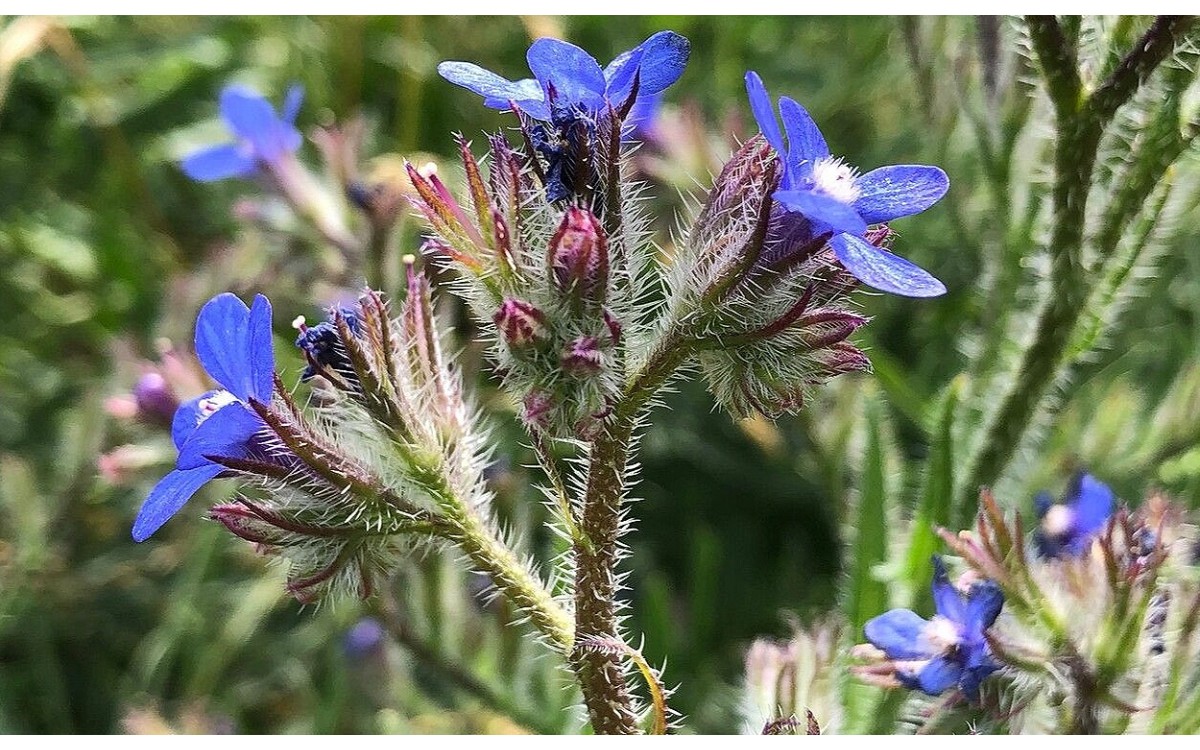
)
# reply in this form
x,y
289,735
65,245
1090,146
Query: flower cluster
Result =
x,y
576,102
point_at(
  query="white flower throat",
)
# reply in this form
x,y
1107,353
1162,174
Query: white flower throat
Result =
x,y
211,404
835,178
942,633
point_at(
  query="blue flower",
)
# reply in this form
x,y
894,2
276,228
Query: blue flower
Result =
x,y
839,201
566,78
323,348
233,343
949,650
263,137
1067,529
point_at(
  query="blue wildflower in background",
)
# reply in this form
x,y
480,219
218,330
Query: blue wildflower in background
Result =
x,y
838,201
263,137
365,638
233,343
568,79
1066,529
948,650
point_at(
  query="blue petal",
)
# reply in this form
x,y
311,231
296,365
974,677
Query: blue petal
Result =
x,y
938,676
575,75
218,163
898,633
642,117
536,108
946,599
764,112
168,496
225,433
187,417
223,344
822,209
979,666
252,118
984,602
620,74
261,351
881,270
1042,502
891,192
1091,504
249,115
497,91
291,103
664,57
805,142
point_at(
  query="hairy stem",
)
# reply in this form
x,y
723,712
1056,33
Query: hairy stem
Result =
x,y
600,675
511,576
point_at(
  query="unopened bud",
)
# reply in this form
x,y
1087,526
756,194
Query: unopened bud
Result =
x,y
537,409
822,328
842,358
880,236
578,256
583,356
520,323
156,401
244,523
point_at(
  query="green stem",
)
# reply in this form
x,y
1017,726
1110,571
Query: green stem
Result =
x,y
377,257
509,574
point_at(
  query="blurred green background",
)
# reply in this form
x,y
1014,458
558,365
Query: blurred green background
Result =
x,y
105,248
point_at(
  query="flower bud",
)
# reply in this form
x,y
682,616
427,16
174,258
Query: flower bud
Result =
x,y
822,328
578,256
841,358
520,323
583,357
537,409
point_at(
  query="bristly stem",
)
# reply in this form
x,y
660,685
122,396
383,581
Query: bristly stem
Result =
x,y
601,675
509,574
1080,123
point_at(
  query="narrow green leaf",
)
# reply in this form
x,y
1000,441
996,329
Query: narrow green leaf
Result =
x,y
867,593
935,505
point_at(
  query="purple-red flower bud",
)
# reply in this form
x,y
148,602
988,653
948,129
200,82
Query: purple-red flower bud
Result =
x,y
156,401
583,356
537,408
578,256
614,327
842,358
520,323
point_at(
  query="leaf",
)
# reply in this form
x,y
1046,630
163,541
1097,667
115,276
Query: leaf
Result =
x,y
935,505
867,594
